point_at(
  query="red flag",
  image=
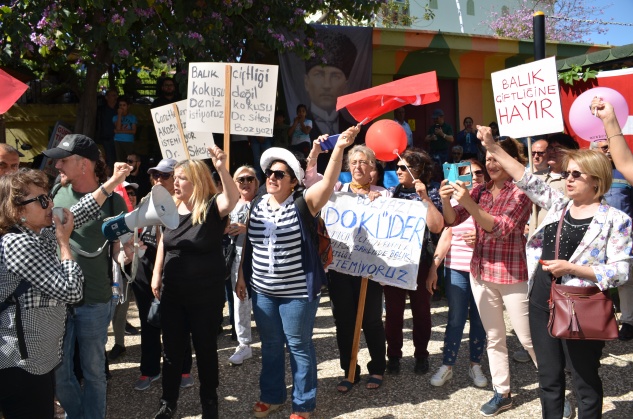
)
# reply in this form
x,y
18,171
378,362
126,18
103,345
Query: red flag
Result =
x,y
10,91
371,103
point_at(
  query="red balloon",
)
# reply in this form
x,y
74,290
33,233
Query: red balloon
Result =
x,y
384,137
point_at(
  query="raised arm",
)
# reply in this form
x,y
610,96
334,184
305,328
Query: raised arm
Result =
x,y
230,194
620,152
317,196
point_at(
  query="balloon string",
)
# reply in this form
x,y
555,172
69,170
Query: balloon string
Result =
x,y
395,151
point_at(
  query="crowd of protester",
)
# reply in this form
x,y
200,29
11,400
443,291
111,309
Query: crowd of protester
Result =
x,y
484,240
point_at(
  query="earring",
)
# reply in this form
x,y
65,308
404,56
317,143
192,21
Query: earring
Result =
x,y
595,188
22,220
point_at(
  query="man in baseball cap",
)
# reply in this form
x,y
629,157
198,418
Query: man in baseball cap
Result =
x,y
77,144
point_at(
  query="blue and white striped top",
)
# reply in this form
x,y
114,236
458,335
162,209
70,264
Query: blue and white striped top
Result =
x,y
276,240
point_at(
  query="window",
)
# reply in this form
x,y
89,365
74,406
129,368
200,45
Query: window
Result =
x,y
470,8
433,4
505,11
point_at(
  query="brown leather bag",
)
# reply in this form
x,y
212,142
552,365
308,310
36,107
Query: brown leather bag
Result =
x,y
582,313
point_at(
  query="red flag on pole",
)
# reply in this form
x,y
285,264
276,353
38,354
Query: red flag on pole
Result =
x,y
368,104
10,91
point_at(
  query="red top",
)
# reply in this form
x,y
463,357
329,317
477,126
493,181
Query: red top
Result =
x,y
499,256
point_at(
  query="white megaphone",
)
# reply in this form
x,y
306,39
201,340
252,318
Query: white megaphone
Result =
x,y
158,209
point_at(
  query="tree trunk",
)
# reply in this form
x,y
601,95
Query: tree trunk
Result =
x,y
87,109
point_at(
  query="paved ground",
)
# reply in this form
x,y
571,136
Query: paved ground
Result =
x,y
404,396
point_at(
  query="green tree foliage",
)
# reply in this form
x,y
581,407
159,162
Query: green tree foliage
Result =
x,y
93,35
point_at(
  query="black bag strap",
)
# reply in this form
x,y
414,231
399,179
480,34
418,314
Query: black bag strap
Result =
x,y
559,230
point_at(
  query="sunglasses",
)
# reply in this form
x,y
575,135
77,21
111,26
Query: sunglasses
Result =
x,y
131,161
538,153
574,173
403,168
43,199
478,172
279,174
245,179
604,148
160,175
131,193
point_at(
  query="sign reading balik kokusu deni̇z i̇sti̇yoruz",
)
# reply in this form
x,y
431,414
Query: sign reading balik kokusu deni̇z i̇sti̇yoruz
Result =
x,y
252,108
527,100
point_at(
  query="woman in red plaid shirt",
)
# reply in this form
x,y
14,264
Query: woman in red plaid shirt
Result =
x,y
498,270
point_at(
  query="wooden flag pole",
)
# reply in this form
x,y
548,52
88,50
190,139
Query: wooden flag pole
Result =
x,y
227,115
351,375
182,133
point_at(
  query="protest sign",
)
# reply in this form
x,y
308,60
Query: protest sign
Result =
x,y
252,98
168,134
527,102
59,132
380,239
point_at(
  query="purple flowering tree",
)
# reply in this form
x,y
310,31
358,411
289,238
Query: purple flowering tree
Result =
x,y
93,35
565,20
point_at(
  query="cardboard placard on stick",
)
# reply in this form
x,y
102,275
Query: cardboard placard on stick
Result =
x,y
527,100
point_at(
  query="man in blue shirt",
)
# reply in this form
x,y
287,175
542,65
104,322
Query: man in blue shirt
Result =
x,y
399,118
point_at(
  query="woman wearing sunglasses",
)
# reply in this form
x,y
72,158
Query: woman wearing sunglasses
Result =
x,y
31,328
414,171
189,279
595,248
498,271
345,289
455,248
284,273
247,183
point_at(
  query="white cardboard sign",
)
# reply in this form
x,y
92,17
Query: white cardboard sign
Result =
x,y
527,100
253,93
169,140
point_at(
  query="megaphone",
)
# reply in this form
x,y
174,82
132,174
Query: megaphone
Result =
x,y
158,209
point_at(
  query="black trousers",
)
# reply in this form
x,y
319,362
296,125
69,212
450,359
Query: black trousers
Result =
x,y
584,360
151,348
344,291
25,396
179,320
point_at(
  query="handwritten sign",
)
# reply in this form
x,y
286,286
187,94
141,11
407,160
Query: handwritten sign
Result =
x,y
171,145
59,132
253,93
526,99
381,240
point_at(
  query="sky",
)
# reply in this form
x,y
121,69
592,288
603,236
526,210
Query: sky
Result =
x,y
621,11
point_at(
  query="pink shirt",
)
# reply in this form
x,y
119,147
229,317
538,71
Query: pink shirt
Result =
x,y
460,254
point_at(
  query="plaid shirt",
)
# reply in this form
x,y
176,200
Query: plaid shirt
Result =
x,y
54,283
499,256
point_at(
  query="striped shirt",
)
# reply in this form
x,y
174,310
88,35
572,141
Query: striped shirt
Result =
x,y
276,240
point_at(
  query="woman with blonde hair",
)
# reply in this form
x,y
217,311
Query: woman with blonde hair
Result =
x,y
245,179
189,278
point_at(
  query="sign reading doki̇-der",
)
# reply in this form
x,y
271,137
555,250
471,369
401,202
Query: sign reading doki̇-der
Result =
x,y
253,93
527,101
380,239
169,136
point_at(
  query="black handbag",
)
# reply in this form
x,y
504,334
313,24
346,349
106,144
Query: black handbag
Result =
x,y
153,317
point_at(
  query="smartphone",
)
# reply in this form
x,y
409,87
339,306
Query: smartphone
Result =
x,y
59,212
329,142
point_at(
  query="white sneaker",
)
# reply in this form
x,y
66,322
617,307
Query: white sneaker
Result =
x,y
478,376
242,352
442,375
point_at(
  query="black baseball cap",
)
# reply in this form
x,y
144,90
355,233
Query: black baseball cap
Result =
x,y
74,144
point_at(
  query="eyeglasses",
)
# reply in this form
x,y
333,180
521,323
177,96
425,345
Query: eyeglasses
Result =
x,y
131,193
403,168
574,173
160,175
245,179
478,172
43,199
279,174
131,161
358,163
538,153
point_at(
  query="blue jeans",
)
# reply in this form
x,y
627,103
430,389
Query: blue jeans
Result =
x,y
460,298
288,321
88,324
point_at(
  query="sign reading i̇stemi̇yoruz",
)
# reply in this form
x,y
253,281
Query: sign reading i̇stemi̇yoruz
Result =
x,y
253,93
380,239
168,134
527,100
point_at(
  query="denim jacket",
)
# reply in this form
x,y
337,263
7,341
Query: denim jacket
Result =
x,y
606,245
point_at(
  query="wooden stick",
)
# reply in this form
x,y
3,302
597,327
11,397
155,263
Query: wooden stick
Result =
x,y
227,115
182,133
359,323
